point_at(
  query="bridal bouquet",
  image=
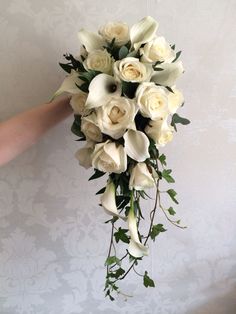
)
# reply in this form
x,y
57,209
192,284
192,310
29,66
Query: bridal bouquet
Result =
x,y
125,101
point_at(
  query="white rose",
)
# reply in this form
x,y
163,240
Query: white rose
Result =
x,y
157,50
141,178
175,100
109,157
90,129
132,70
78,101
152,100
84,155
115,116
99,60
117,30
160,132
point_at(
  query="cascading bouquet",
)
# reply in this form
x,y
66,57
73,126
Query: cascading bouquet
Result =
x,y
125,101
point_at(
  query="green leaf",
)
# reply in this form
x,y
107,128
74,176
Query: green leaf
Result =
x,y
147,281
116,274
173,47
88,76
123,52
112,260
158,63
120,271
101,191
76,126
162,159
108,293
171,211
76,64
177,56
129,89
66,67
97,174
157,69
172,195
120,235
84,87
156,230
112,220
169,89
166,175
177,119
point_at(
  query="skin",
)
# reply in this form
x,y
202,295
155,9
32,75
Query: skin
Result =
x,y
20,132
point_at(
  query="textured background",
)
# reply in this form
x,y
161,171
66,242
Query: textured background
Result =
x,y
53,240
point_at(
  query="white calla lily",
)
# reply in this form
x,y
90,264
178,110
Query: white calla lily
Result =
x,y
142,177
91,41
136,248
69,84
101,88
136,145
143,31
169,74
108,200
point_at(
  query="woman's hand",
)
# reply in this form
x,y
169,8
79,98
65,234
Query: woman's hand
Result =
x,y
22,131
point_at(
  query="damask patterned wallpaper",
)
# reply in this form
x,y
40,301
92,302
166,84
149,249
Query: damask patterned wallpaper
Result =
x,y
53,240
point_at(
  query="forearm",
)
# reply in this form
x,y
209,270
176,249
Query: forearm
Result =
x,y
20,132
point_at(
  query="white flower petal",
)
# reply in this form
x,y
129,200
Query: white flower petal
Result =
x,y
136,145
101,88
69,84
170,73
136,248
84,155
108,201
141,178
143,31
90,41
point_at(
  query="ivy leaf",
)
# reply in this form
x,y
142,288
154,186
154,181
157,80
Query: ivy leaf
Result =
x,y
166,175
112,260
177,56
162,159
120,271
116,274
97,174
171,211
156,230
147,281
172,195
123,52
120,235
177,119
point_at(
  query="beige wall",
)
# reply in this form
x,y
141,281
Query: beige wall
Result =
x,y
53,240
